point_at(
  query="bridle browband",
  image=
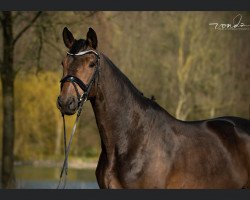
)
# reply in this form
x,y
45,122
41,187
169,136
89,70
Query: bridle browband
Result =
x,y
81,99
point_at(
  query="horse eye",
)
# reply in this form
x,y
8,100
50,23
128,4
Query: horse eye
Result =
x,y
92,64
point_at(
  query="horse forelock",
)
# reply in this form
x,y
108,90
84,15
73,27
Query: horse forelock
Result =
x,y
79,45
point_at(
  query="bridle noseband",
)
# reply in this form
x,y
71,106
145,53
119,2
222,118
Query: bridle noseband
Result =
x,y
74,80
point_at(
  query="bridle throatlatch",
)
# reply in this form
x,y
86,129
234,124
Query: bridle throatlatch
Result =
x,y
81,100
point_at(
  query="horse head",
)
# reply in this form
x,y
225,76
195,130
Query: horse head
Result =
x,y
80,69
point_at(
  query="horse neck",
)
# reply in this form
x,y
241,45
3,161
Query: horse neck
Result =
x,y
118,106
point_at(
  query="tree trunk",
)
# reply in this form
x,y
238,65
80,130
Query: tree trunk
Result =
x,y
7,78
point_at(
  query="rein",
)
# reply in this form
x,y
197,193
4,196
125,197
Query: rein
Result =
x,y
81,100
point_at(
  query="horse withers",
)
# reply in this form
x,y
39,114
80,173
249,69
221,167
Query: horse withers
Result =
x,y
143,146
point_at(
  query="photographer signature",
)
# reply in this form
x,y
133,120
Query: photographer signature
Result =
x,y
236,25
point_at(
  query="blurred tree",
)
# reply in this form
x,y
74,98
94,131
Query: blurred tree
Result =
x,y
194,46
7,78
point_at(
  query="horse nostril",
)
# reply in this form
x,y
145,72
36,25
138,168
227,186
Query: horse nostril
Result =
x,y
72,104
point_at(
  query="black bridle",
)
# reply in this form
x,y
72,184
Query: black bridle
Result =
x,y
81,99
74,80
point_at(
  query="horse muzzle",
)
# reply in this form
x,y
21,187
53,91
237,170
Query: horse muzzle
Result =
x,y
67,106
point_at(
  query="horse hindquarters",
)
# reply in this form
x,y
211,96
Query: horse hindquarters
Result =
x,y
241,130
208,155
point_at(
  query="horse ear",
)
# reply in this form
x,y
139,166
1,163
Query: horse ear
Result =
x,y
92,38
68,38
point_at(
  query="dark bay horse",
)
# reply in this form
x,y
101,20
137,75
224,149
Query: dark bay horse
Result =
x,y
143,146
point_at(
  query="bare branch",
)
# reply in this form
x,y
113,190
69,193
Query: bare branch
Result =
x,y
27,27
